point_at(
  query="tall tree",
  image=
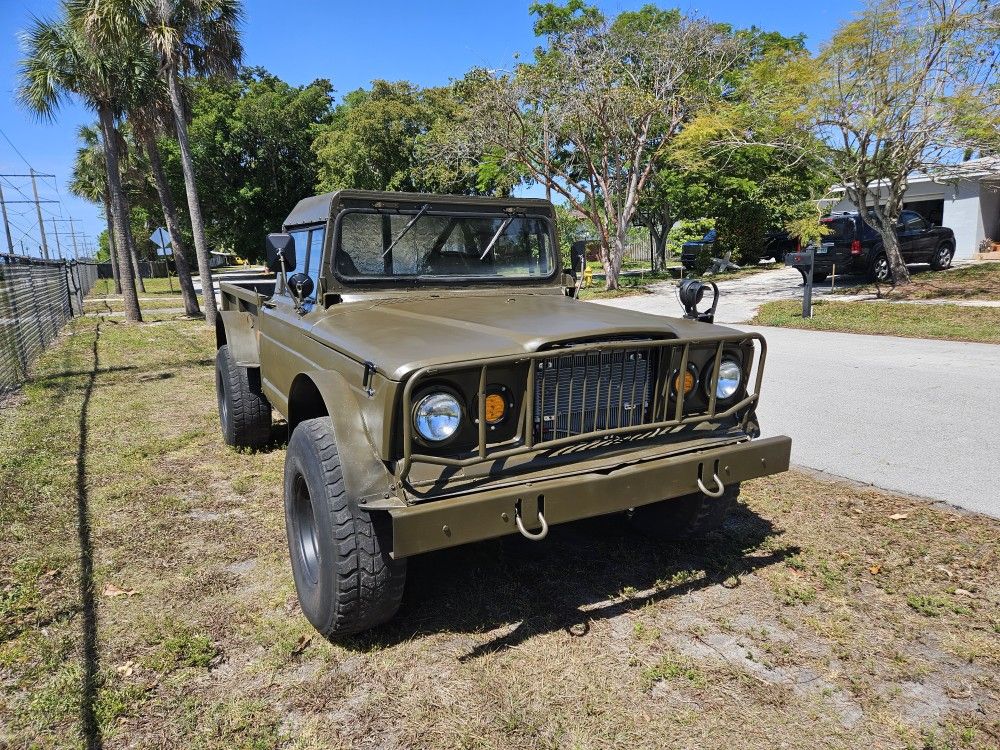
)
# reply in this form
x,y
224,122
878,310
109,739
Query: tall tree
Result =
x,y
601,102
906,86
61,60
253,135
199,36
148,116
899,85
388,137
90,182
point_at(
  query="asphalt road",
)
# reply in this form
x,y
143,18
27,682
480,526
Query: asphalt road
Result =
x,y
912,415
916,416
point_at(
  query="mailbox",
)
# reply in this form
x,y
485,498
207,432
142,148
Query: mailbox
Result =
x,y
804,260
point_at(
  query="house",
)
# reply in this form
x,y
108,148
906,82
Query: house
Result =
x,y
966,199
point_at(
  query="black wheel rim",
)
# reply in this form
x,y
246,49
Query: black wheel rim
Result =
x,y
220,391
304,524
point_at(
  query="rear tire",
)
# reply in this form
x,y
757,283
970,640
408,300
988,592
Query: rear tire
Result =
x,y
942,258
685,517
345,579
880,271
244,411
819,278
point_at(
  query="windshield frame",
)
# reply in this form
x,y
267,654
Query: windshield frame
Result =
x,y
458,212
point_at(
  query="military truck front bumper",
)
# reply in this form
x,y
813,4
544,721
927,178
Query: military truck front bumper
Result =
x,y
487,514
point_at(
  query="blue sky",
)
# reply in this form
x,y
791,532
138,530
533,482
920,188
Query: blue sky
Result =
x,y
349,43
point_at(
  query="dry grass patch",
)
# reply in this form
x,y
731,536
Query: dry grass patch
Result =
x,y
146,601
979,281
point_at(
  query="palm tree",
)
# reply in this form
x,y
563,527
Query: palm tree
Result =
x,y
90,182
148,122
61,61
200,36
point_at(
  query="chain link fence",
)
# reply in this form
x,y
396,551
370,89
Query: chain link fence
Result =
x,y
37,297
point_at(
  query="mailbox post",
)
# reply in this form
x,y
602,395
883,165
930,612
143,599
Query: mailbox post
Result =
x,y
804,260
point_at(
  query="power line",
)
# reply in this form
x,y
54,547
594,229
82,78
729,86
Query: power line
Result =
x,y
16,150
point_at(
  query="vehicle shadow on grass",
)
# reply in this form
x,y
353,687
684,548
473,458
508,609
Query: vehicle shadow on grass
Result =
x,y
585,571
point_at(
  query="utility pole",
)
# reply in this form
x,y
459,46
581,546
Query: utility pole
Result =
x,y
72,233
38,210
56,233
6,224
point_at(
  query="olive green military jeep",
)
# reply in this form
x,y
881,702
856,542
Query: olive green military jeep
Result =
x,y
442,385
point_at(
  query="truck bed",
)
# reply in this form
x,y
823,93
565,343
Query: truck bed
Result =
x,y
246,292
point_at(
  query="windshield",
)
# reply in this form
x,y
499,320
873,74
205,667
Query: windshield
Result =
x,y
422,244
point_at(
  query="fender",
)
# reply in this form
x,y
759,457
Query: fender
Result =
x,y
365,474
240,333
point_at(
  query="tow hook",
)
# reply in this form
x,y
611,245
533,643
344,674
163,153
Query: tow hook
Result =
x,y
719,486
533,536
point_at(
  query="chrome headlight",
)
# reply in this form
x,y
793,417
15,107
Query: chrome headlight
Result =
x,y
730,379
437,416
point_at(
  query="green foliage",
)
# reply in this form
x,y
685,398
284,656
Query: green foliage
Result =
x,y
383,138
252,141
687,230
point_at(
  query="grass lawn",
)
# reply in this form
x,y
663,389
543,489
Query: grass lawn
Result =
x,y
146,601
953,322
978,281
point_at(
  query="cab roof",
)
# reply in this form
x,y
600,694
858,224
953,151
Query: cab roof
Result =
x,y
317,208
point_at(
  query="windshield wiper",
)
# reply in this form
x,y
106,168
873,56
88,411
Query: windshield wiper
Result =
x,y
506,223
406,229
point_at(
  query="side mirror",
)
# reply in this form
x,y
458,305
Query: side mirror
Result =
x,y
301,286
280,247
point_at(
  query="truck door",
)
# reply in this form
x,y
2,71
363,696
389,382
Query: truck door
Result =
x,y
913,237
281,323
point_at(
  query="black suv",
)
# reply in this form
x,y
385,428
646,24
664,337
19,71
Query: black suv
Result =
x,y
855,248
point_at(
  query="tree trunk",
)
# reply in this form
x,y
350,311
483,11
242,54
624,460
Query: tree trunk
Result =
x,y
194,206
615,255
112,245
118,215
173,225
130,240
890,243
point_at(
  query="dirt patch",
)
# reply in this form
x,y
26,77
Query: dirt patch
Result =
x,y
824,614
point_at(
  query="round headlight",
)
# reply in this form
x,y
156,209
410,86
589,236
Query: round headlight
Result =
x,y
730,377
437,416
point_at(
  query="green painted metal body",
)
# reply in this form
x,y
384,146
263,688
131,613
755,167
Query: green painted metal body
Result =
x,y
362,352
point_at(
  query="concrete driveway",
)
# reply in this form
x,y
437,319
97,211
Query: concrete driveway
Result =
x,y
916,416
739,298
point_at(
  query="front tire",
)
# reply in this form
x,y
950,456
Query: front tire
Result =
x,y
244,411
685,517
942,258
345,578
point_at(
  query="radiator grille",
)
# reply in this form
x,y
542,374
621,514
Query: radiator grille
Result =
x,y
589,391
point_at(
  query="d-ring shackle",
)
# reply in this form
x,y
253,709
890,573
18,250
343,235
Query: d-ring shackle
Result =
x,y
535,537
712,493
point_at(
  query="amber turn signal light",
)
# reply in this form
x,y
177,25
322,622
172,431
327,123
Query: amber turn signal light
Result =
x,y
689,382
496,408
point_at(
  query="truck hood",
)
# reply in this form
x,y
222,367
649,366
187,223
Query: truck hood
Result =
x,y
403,335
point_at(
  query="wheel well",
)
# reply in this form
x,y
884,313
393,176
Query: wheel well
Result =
x,y
304,402
220,333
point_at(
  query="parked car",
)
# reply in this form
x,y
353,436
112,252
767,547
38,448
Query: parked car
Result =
x,y
441,385
777,243
691,249
854,247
